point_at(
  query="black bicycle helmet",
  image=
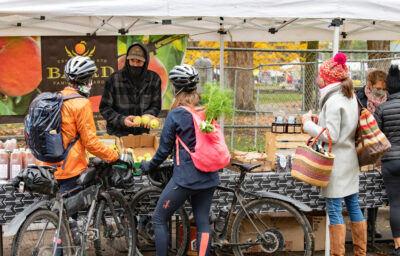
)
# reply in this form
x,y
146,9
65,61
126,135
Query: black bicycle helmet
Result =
x,y
79,70
184,77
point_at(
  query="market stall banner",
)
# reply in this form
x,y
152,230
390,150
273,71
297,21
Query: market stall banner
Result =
x,y
57,50
31,65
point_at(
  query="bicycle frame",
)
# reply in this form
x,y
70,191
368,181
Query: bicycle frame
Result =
x,y
237,197
238,194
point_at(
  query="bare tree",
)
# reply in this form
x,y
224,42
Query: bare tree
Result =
x,y
310,75
245,79
379,45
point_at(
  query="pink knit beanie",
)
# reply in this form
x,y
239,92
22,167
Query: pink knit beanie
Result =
x,y
334,69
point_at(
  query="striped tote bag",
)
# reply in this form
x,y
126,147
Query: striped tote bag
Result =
x,y
371,142
311,166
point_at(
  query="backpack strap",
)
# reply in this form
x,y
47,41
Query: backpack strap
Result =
x,y
72,142
177,148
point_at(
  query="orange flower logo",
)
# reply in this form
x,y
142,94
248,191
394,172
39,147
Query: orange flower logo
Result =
x,y
80,49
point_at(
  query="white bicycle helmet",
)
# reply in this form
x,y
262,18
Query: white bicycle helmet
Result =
x,y
79,70
184,77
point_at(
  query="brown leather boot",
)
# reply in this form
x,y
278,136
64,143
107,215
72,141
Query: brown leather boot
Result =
x,y
337,236
359,236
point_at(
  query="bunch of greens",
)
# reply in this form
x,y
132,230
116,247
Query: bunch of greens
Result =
x,y
218,101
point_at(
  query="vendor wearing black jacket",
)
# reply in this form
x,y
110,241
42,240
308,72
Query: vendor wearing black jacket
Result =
x,y
130,92
387,116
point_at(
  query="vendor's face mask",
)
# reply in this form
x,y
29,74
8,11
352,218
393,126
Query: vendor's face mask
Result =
x,y
135,71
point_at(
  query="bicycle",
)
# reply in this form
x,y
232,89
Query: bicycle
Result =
x,y
43,229
253,225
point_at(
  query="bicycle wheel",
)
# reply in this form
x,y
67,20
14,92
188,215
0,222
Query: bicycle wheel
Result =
x,y
143,205
117,235
279,225
36,235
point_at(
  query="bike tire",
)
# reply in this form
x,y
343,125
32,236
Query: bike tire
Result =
x,y
110,241
143,204
269,216
24,242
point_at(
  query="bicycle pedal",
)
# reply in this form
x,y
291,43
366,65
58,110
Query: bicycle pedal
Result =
x,y
92,234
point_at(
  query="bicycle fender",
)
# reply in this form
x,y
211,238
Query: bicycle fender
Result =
x,y
296,203
17,221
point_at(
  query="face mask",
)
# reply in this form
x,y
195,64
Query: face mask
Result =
x,y
136,71
85,89
378,93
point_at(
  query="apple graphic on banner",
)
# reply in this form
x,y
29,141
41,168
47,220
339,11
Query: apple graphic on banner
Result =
x,y
20,68
154,65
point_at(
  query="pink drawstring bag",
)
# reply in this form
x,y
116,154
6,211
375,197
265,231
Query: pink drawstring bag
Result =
x,y
211,152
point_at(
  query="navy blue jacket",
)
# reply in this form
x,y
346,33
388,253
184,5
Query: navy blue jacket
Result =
x,y
179,121
362,96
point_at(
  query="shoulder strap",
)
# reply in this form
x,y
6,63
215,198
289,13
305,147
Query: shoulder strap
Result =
x,y
72,96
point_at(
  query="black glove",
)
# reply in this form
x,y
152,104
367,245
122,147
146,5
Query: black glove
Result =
x,y
145,167
126,159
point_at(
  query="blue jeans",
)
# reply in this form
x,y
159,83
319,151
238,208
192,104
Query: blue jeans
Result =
x,y
334,209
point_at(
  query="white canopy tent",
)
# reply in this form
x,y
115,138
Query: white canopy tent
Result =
x,y
208,20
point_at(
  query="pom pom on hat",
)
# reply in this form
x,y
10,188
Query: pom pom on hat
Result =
x,y
334,69
340,58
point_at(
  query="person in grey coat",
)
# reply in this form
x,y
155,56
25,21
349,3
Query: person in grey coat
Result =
x,y
339,114
387,116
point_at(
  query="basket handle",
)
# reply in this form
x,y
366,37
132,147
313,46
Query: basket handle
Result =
x,y
319,134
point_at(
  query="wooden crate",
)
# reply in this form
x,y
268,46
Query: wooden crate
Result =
x,y
250,158
282,141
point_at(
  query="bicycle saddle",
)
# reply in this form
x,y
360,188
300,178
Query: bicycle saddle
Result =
x,y
86,176
246,167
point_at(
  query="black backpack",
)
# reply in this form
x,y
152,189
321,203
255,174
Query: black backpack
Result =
x,y
43,127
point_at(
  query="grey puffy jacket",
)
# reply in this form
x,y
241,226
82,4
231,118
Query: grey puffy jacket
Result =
x,y
387,116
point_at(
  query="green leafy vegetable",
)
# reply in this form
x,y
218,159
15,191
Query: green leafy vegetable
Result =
x,y
218,101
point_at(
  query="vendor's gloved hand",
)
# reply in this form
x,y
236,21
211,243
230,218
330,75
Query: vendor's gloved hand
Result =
x,y
145,167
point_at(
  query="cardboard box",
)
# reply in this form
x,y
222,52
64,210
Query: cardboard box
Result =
x,y
110,140
318,225
288,226
141,144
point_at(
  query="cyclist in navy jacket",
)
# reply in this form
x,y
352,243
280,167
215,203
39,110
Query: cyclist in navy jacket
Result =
x,y
187,182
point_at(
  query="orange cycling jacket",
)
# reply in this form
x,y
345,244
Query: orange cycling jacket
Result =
x,y
77,117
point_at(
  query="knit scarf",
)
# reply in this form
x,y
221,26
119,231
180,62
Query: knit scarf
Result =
x,y
372,100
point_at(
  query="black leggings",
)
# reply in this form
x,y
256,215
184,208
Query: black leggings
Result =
x,y
391,178
173,197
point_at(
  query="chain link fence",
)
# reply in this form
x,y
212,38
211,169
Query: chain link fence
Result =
x,y
285,86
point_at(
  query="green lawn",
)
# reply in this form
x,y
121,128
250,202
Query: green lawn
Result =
x,y
278,98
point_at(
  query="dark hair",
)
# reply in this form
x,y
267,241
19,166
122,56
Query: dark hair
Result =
x,y
347,87
393,79
376,75
189,99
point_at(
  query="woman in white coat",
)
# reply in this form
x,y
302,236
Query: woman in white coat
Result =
x,y
339,114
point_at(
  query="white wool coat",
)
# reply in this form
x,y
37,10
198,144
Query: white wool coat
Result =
x,y
340,115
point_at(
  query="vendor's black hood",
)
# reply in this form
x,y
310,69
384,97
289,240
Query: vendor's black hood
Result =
x,y
126,69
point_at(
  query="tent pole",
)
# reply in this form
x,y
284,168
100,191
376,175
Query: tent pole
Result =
x,y
221,70
336,40
336,25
